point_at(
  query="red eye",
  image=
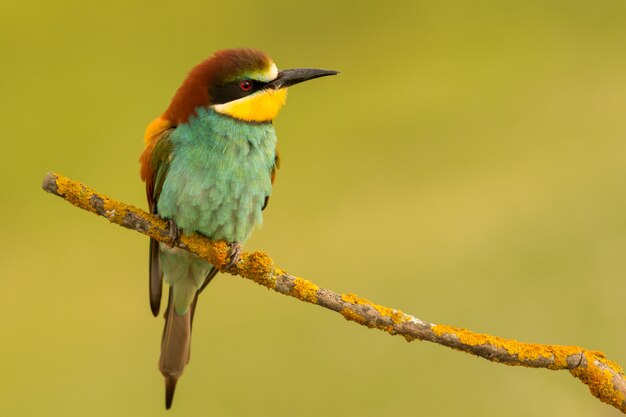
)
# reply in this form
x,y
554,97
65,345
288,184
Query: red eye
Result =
x,y
245,85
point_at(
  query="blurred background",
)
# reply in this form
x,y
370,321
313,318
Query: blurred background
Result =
x,y
467,167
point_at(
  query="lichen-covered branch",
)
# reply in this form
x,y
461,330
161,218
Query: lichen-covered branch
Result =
x,y
604,378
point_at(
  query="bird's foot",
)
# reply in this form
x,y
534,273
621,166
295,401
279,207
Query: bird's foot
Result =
x,y
173,233
233,254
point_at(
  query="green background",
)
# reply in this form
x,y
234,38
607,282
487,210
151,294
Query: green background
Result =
x,y
467,167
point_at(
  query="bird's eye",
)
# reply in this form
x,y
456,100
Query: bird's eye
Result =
x,y
245,85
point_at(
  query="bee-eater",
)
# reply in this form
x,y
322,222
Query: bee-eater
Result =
x,y
209,164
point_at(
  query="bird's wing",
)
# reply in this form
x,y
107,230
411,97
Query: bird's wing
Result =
x,y
155,162
160,161
155,159
272,176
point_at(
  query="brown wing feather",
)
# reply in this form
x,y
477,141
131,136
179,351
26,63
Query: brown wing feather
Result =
x,y
155,278
154,166
272,177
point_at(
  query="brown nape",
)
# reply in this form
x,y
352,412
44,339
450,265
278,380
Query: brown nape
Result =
x,y
216,70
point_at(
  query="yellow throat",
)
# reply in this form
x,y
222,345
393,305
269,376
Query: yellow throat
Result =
x,y
262,106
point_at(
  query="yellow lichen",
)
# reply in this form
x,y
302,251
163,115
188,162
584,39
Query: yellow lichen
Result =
x,y
352,315
305,290
525,352
355,299
258,267
601,381
396,316
216,252
115,211
604,378
74,192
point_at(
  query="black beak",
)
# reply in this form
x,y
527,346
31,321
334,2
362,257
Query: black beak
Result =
x,y
294,76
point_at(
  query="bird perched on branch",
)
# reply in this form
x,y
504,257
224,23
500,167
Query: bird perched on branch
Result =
x,y
209,164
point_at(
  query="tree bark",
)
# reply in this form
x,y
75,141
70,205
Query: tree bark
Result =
x,y
604,378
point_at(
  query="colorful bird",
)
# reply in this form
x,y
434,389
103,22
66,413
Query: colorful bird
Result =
x,y
209,164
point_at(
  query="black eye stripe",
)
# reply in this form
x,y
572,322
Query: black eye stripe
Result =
x,y
230,91
256,84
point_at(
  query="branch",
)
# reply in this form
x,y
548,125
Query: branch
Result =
x,y
604,378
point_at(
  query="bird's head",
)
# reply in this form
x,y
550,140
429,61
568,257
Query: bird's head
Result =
x,y
242,83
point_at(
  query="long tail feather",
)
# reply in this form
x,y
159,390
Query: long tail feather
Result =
x,y
176,341
208,279
170,387
174,348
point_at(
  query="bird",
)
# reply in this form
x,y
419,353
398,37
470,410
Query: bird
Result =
x,y
208,165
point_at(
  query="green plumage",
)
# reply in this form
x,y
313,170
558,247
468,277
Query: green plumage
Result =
x,y
212,175
217,175
209,164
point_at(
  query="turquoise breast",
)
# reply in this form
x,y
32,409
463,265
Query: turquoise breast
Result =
x,y
219,175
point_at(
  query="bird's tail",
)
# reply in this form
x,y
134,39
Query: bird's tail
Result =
x,y
175,347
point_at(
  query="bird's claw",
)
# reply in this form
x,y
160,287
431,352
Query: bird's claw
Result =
x,y
173,234
233,254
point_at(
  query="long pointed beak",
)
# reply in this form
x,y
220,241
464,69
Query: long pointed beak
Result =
x,y
297,75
